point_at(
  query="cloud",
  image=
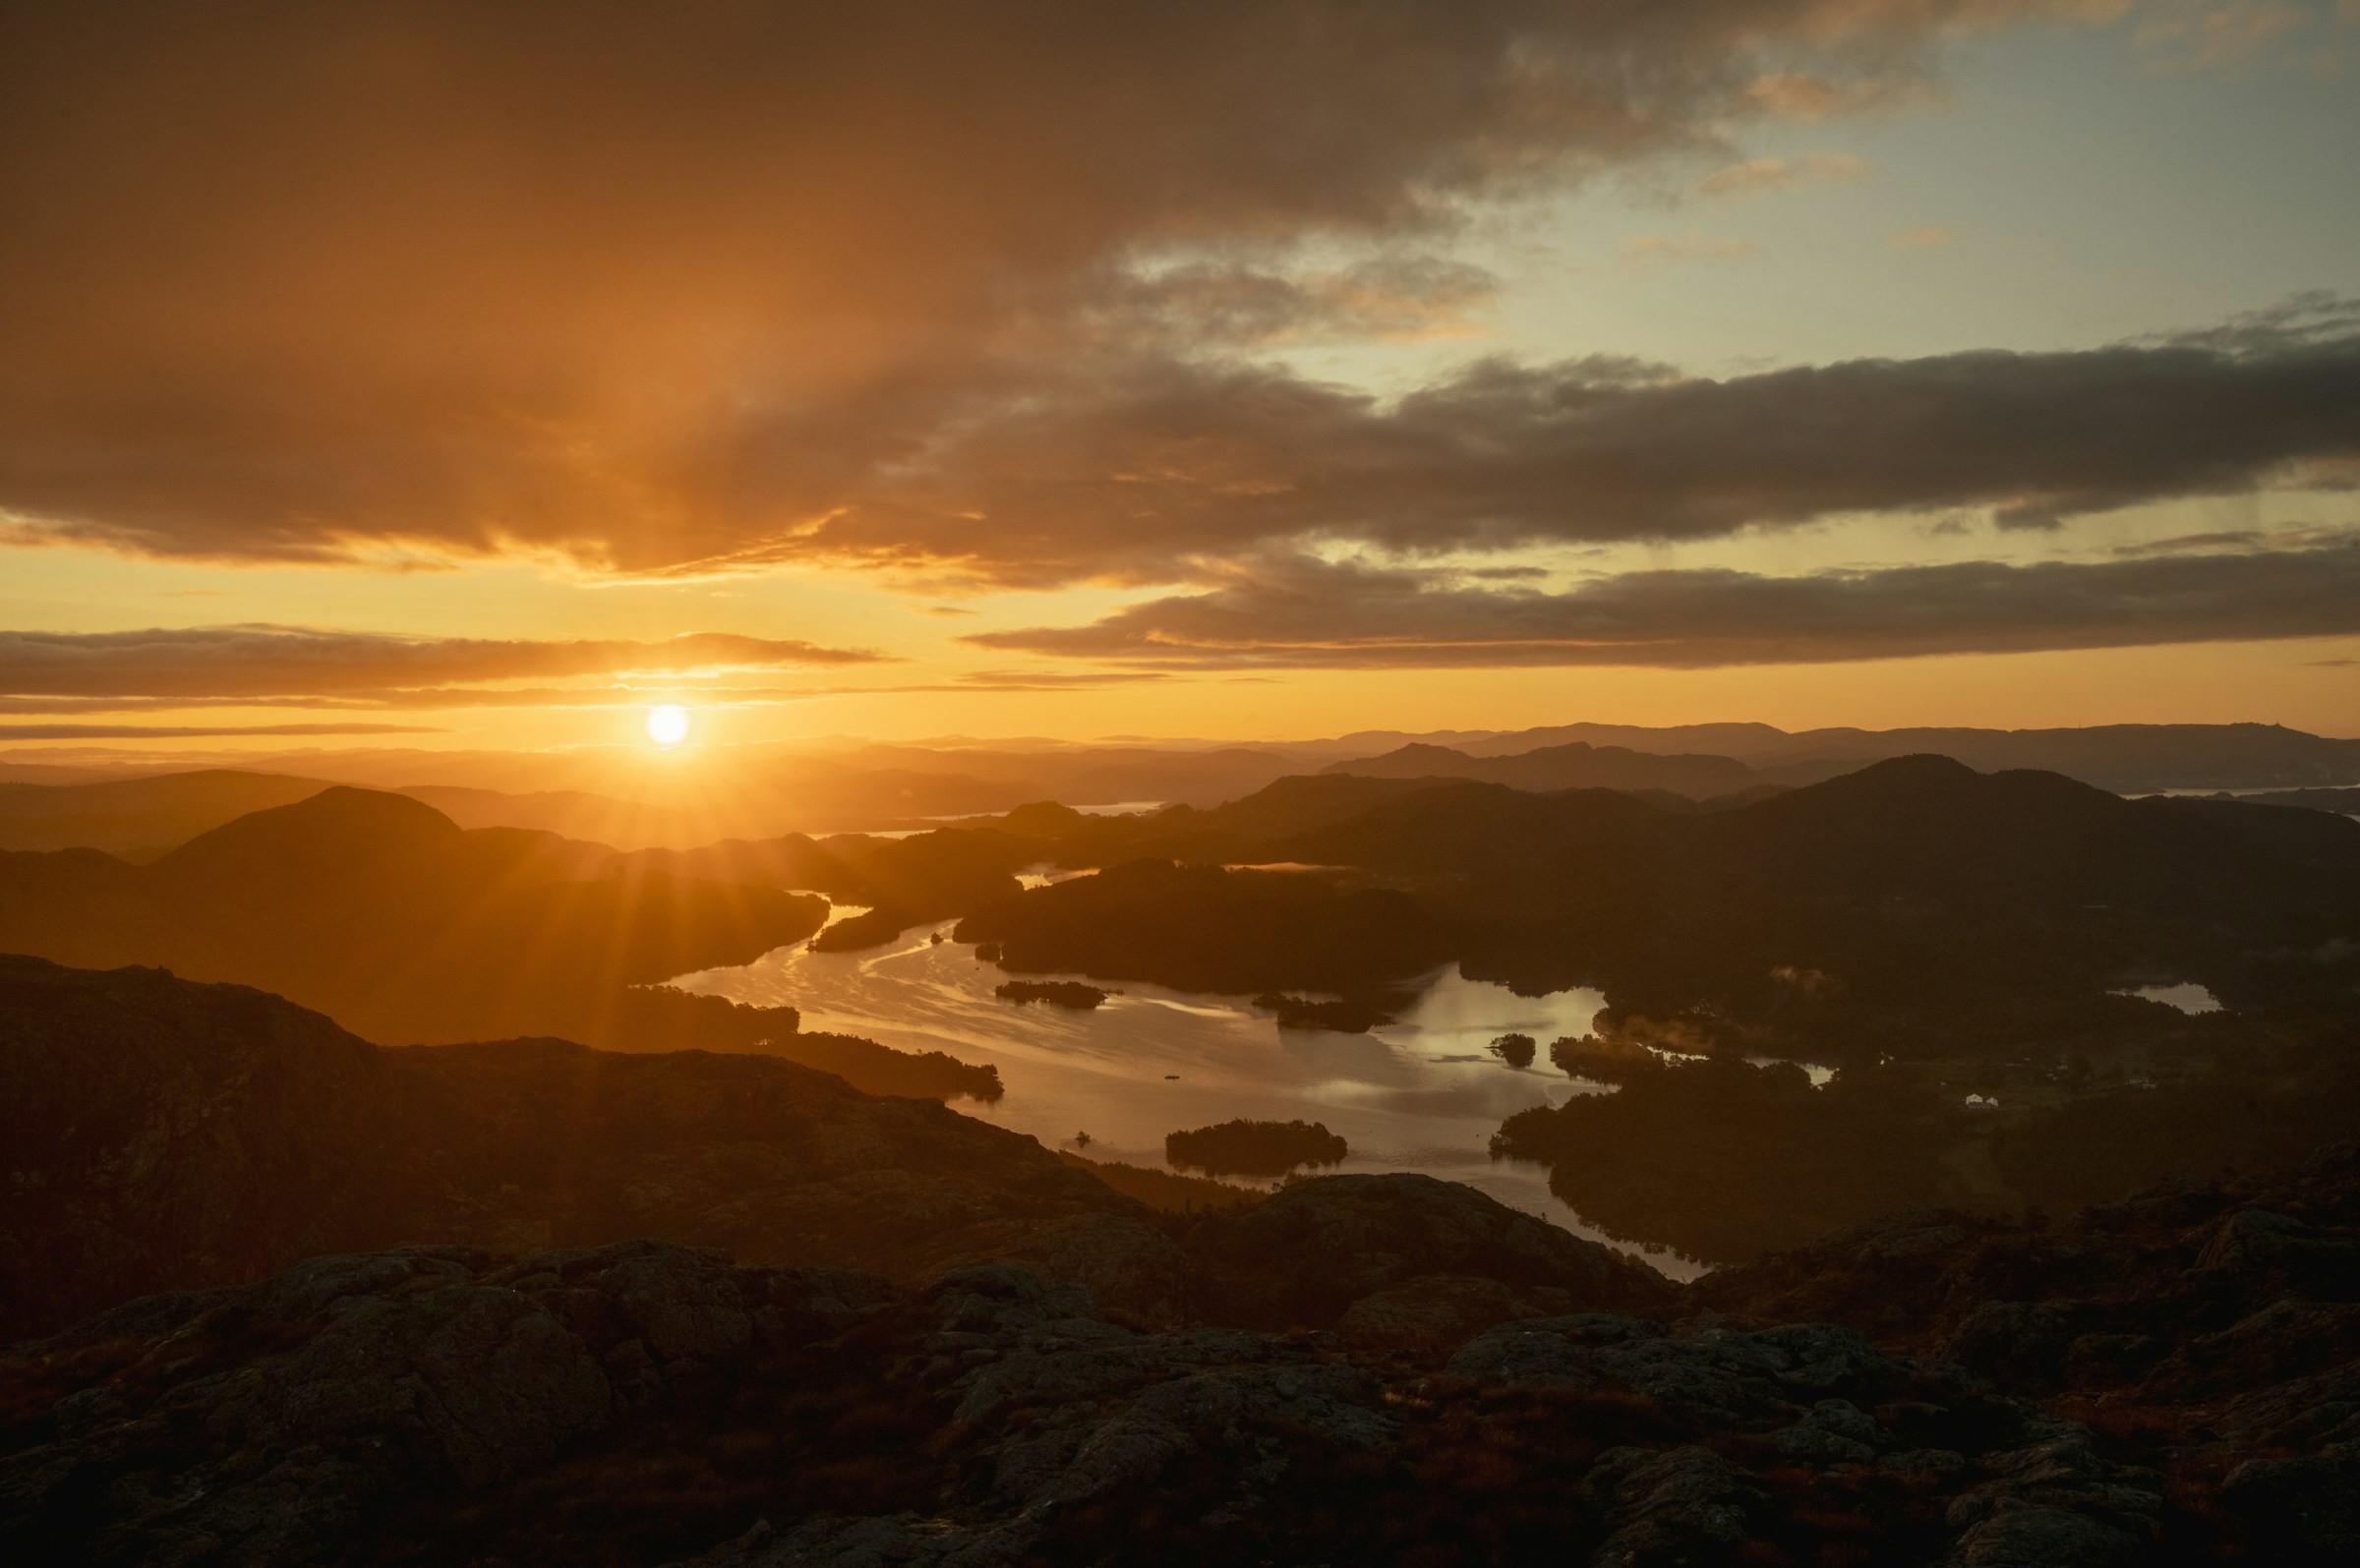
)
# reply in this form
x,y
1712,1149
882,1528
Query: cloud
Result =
x,y
226,665
1161,472
649,289
1306,613
1673,250
1921,237
1404,298
2315,319
2215,35
11,733
2235,539
1757,175
1037,680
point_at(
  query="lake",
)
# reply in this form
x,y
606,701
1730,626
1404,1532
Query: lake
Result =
x,y
1422,1094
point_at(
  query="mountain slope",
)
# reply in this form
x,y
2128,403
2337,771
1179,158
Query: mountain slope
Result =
x,y
1574,766
1914,901
379,910
139,818
162,1134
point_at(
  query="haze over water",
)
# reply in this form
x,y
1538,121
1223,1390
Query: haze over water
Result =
x,y
1422,1094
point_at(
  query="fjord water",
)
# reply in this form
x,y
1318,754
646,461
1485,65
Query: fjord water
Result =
x,y
1421,1094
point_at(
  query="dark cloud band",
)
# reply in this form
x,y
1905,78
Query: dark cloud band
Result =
x,y
226,664
1119,476
1309,615
11,733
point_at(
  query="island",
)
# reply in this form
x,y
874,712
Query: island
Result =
x,y
1253,1148
1071,994
1345,1016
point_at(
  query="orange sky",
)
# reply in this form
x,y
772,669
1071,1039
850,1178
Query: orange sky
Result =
x,y
1228,371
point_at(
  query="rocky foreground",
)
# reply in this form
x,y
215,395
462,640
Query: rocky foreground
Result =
x,y
1459,1383
938,1344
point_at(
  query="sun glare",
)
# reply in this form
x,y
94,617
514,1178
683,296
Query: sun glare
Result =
x,y
668,726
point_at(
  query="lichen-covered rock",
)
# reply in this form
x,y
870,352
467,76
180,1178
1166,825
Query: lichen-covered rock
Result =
x,y
1687,1505
1129,1266
1435,1314
1304,1257
274,1423
644,1403
1745,1381
2304,1510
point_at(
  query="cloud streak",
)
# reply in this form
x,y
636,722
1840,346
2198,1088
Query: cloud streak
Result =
x,y
223,664
1308,614
1757,175
9,732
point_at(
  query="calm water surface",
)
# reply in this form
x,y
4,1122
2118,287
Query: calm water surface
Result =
x,y
1419,1096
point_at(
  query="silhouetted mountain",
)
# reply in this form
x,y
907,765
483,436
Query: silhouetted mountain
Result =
x,y
761,792
1722,1160
377,909
163,1134
1913,906
2344,801
1093,776
926,876
1252,829
1575,765
2130,758
1207,929
138,817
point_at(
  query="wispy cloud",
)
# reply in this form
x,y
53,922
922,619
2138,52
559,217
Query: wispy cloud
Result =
x,y
1057,681
9,732
1757,175
1674,250
1923,237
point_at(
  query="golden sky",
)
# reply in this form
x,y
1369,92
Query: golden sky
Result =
x,y
1226,370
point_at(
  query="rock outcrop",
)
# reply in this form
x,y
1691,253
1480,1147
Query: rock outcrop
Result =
x,y
1316,1247
2212,1329
649,1403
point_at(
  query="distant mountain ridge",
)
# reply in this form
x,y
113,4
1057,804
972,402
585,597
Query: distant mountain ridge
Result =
x,y
2131,759
383,911
628,800
1575,765
1936,903
142,817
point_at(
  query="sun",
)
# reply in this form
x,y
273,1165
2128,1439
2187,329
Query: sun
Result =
x,y
668,726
